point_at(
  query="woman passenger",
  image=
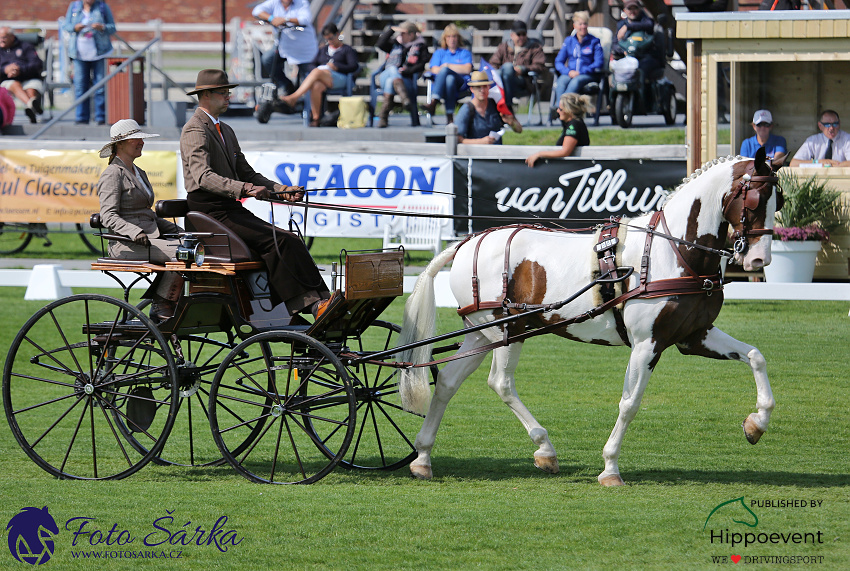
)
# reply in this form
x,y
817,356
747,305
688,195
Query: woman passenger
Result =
x,y
126,197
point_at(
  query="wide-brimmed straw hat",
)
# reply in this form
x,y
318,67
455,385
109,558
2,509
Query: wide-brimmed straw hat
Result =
x,y
478,78
211,79
121,131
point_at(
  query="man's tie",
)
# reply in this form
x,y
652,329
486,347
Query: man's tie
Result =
x,y
828,154
218,128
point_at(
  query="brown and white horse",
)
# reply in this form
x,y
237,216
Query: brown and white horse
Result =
x,y
545,267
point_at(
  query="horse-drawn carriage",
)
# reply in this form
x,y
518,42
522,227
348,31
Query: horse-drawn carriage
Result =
x,y
92,388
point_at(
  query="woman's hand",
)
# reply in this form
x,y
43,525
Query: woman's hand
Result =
x,y
142,240
531,159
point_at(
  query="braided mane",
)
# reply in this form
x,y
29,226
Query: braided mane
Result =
x,y
698,172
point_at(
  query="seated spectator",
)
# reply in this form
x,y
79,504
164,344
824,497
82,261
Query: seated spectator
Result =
x,y
7,108
406,57
774,145
479,121
580,60
830,148
515,58
638,23
451,65
334,62
571,110
20,72
295,38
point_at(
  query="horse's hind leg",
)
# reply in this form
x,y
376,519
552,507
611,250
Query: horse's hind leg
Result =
x,y
502,380
448,382
716,344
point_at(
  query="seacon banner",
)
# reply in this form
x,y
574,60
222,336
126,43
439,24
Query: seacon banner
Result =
x,y
572,193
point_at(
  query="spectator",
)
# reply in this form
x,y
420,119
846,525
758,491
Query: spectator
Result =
x,y
20,72
572,108
7,108
406,57
334,62
295,38
774,145
479,121
451,65
580,60
515,58
639,24
90,25
830,148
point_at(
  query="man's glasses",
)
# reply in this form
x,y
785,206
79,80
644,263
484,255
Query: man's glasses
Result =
x,y
222,92
834,125
521,34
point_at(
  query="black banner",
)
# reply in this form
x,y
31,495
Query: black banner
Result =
x,y
577,192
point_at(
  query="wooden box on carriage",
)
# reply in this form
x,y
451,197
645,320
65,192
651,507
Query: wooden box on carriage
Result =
x,y
374,274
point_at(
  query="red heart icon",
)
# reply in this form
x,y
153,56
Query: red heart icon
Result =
x,y
735,558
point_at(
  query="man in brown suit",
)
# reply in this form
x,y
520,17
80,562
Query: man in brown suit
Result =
x,y
217,175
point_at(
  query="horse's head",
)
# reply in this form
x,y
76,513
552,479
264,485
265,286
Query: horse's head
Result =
x,y
749,207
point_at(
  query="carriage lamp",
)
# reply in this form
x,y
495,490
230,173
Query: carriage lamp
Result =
x,y
190,250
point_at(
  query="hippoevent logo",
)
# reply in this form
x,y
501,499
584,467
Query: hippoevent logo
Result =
x,y
734,523
31,534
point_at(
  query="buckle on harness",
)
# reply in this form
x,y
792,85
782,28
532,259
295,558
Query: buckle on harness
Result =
x,y
707,285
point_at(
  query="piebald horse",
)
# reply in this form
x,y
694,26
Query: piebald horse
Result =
x,y
543,267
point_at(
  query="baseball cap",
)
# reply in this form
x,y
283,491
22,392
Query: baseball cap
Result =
x,y
762,116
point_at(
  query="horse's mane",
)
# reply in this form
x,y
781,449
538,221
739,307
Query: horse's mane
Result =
x,y
688,179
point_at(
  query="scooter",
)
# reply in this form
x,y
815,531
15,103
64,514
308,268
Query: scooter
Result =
x,y
638,97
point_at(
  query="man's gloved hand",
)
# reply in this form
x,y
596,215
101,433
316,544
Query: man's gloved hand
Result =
x,y
256,191
142,240
292,193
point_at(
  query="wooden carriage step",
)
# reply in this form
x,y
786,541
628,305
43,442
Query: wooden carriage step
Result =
x,y
220,268
127,266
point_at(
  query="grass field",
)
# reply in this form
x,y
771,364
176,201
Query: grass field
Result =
x,y
488,507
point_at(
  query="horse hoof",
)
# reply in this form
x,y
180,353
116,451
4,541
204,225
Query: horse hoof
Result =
x,y
548,464
611,480
751,430
421,472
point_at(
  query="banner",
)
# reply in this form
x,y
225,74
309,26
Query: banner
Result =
x,y
61,185
577,192
375,182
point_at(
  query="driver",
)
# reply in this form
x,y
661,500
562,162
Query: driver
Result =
x,y
217,175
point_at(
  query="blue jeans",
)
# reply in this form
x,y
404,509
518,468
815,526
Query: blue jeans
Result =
x,y
567,84
448,86
514,84
86,74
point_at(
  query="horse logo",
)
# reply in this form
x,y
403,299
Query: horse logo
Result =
x,y
736,513
31,535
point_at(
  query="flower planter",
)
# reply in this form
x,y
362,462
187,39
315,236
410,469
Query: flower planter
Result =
x,y
792,261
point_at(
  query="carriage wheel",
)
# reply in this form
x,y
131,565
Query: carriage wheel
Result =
x,y
14,237
81,374
197,360
263,408
385,431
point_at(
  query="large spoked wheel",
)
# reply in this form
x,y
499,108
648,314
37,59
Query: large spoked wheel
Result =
x,y
82,374
14,237
197,358
264,409
624,109
385,431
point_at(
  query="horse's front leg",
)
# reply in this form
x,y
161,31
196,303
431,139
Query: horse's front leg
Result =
x,y
641,363
503,382
448,382
716,344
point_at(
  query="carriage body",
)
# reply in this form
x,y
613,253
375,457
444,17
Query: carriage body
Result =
x,y
95,389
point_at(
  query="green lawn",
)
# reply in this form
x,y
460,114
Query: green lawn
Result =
x,y
488,507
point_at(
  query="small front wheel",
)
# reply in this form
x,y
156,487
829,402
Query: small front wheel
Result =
x,y
624,109
264,408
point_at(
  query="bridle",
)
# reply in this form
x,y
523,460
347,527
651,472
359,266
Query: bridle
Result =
x,y
751,199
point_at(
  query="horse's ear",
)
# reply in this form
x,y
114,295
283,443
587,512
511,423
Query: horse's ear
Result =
x,y
759,164
778,161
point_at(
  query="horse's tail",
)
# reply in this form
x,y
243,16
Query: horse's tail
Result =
x,y
420,313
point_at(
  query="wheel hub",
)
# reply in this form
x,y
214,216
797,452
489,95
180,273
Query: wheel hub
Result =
x,y
276,410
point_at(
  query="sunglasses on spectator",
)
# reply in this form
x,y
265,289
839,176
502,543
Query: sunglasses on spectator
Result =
x,y
763,124
828,125
521,33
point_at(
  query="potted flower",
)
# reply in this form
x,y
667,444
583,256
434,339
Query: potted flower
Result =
x,y
804,222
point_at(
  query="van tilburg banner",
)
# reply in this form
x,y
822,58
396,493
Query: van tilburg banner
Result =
x,y
574,191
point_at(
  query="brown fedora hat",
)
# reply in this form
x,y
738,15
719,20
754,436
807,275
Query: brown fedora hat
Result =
x,y
211,79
